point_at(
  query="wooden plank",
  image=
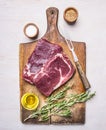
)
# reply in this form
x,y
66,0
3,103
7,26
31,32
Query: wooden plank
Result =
x,y
78,110
25,52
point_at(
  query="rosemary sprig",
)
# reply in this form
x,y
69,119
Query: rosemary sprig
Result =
x,y
34,115
60,106
57,96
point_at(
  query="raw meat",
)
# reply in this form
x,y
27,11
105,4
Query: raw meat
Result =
x,y
48,67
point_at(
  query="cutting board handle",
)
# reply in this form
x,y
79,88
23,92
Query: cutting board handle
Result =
x,y
52,17
52,32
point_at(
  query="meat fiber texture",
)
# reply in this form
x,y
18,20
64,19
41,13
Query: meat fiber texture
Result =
x,y
48,67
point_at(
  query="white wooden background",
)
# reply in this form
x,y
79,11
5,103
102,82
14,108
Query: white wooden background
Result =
x,y
90,28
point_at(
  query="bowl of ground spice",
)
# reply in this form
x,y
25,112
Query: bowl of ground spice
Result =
x,y
70,15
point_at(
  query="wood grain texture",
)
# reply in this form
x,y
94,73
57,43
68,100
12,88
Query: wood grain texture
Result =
x,y
53,35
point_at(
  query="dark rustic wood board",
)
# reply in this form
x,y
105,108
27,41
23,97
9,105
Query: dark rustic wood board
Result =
x,y
53,35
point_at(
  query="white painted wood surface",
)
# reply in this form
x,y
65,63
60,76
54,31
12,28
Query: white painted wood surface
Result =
x,y
90,28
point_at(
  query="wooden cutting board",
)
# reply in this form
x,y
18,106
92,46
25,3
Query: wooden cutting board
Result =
x,y
53,35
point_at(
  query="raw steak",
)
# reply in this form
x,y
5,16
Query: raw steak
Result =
x,y
48,67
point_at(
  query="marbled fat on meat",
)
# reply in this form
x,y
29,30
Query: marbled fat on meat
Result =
x,y
48,67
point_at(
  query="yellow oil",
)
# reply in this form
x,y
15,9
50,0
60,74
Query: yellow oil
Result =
x,y
30,100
